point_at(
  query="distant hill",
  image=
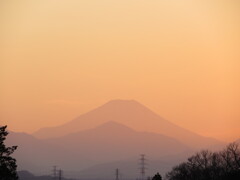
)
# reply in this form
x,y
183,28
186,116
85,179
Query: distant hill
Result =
x,y
33,154
129,169
131,114
106,143
113,141
25,175
238,141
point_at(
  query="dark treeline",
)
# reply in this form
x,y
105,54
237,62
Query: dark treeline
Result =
x,y
207,165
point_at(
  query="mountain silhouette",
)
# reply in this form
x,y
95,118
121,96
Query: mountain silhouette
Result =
x,y
114,141
132,114
108,142
32,153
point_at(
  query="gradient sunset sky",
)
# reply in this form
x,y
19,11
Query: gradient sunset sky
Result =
x,y
62,58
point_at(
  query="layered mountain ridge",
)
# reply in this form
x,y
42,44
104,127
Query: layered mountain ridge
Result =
x,y
106,143
132,114
114,134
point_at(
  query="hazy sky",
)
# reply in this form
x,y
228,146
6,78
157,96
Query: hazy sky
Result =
x,y
61,58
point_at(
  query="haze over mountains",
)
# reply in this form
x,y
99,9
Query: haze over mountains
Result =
x,y
132,114
106,143
112,141
130,168
114,134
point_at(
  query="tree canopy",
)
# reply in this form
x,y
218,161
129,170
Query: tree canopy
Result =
x,y
157,177
8,166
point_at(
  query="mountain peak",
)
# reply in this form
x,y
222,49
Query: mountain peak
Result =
x,y
123,105
129,113
122,102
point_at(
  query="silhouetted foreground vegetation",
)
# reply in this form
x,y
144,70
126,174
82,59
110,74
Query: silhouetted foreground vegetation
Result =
x,y
157,177
207,165
8,164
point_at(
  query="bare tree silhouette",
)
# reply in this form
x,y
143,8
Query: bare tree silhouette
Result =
x,y
223,165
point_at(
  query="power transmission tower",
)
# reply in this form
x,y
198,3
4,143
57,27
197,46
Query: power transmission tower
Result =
x,y
60,174
117,174
54,172
142,166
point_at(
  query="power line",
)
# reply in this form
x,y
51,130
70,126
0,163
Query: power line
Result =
x,y
60,174
142,166
54,172
117,174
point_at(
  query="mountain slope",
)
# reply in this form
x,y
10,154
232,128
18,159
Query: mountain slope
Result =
x,y
106,143
113,141
131,114
31,153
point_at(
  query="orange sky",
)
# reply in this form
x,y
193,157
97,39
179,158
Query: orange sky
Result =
x,y
61,58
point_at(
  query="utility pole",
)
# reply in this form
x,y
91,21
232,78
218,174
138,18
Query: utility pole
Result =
x,y
60,174
54,172
117,174
142,166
